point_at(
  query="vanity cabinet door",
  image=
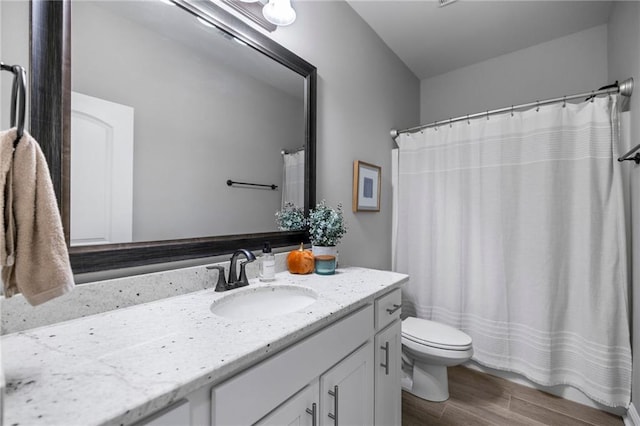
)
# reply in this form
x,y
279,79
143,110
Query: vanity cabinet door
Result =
x,y
388,391
346,391
301,410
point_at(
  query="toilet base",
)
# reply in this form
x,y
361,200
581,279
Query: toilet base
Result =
x,y
430,382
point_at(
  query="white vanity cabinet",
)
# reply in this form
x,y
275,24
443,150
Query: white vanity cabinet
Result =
x,y
341,396
347,373
340,355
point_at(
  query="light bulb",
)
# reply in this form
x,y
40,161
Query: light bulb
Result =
x,y
279,12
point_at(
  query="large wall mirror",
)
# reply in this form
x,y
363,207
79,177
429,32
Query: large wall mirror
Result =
x,y
158,105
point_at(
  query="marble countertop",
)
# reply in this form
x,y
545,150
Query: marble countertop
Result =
x,y
120,366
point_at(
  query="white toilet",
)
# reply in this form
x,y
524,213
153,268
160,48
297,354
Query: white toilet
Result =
x,y
428,348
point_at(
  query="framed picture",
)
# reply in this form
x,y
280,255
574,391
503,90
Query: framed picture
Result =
x,y
366,187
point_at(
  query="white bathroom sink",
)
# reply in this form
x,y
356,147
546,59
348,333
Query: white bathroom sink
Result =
x,y
263,302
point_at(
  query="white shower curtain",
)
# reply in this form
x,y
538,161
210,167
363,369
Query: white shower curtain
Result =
x,y
293,179
512,229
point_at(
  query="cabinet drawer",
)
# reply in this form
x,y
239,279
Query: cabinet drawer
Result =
x,y
388,308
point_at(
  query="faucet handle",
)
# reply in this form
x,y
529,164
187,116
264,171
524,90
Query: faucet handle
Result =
x,y
243,280
222,282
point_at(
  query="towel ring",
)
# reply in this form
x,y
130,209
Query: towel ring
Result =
x,y
21,78
18,98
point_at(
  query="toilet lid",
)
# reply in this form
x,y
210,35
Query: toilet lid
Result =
x,y
431,333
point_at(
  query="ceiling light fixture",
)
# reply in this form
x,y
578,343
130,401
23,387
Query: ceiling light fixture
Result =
x,y
279,12
269,14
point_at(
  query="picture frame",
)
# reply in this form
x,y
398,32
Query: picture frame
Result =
x,y
367,183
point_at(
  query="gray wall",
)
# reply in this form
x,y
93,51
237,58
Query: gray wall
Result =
x,y
624,61
14,50
364,91
571,64
197,124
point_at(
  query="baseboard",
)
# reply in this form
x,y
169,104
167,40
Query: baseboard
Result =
x,y
631,418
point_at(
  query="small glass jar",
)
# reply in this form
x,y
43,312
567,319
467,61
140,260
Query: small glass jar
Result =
x,y
325,264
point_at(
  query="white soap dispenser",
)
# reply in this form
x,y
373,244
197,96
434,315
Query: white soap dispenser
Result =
x,y
267,264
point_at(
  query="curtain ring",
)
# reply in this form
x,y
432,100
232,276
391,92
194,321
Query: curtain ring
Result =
x,y
512,110
537,106
564,102
468,122
487,115
450,126
593,96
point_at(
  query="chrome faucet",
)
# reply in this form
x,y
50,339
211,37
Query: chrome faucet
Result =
x,y
234,281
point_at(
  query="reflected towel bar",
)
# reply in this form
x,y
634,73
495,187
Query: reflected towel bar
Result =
x,y
231,182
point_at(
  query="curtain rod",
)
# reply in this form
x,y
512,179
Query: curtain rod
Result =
x,y
625,89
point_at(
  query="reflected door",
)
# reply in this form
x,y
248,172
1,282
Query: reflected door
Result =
x,y
101,171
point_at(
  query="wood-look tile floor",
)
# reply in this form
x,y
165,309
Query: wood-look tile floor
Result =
x,y
478,399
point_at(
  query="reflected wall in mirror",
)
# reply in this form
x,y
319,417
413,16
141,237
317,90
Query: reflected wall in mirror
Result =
x,y
165,107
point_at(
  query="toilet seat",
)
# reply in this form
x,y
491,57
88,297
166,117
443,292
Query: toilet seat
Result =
x,y
435,335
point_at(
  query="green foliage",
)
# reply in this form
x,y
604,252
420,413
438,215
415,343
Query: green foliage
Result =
x,y
326,225
291,218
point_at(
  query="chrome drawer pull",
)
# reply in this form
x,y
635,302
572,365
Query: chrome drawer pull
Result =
x,y
312,412
395,308
334,394
385,348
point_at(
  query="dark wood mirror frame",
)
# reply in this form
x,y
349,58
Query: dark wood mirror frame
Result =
x,y
50,107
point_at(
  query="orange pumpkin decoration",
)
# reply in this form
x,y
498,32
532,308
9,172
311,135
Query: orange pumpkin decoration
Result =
x,y
300,261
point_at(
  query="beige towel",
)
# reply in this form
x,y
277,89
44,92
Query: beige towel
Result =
x,y
34,256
